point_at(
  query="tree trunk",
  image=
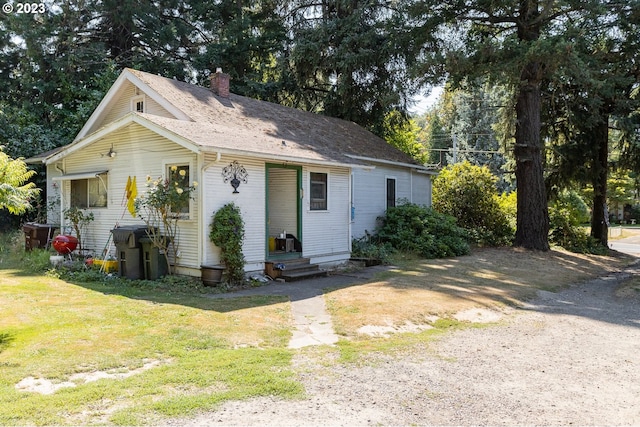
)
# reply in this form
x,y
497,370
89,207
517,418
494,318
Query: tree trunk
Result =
x,y
532,223
600,214
532,220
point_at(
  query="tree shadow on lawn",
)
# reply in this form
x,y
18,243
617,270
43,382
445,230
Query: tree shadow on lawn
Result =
x,y
157,292
492,278
5,340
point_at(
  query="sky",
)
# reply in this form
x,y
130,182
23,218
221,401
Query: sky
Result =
x,y
423,103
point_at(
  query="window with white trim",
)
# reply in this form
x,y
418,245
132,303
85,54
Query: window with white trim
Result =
x,y
318,189
137,104
89,193
179,176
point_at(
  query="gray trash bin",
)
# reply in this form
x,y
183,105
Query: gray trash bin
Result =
x,y
129,251
154,263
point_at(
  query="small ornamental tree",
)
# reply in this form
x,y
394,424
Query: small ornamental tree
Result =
x,y
16,193
162,206
80,219
227,233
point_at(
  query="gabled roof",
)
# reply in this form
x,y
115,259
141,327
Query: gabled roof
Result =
x,y
245,125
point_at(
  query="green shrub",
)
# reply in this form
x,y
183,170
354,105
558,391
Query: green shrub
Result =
x,y
369,246
227,233
567,213
36,261
413,228
468,193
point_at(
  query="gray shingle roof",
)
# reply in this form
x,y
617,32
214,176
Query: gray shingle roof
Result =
x,y
246,124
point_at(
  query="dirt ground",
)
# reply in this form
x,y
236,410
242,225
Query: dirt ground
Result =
x,y
566,358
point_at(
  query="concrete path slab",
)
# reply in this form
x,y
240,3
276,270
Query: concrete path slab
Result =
x,y
310,316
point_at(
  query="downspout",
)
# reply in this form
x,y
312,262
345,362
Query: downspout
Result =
x,y
201,223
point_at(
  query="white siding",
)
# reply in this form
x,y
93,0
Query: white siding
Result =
x,y
327,232
250,199
421,192
139,152
369,187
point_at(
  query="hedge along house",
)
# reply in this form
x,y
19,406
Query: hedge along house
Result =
x,y
320,180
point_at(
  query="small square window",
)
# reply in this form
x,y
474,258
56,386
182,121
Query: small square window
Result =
x,y
137,104
318,187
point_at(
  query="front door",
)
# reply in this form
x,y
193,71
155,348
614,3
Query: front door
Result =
x,y
284,211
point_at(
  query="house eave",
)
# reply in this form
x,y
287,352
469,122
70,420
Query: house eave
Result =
x,y
417,168
284,159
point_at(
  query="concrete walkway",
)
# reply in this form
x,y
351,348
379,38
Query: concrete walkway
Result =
x,y
313,325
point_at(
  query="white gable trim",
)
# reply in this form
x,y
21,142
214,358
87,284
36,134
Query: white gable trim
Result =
x,y
128,76
118,124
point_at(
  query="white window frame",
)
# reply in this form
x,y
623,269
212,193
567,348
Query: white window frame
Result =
x,y
184,161
102,181
386,191
134,103
327,191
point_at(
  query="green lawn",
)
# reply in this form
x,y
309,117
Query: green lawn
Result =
x,y
198,351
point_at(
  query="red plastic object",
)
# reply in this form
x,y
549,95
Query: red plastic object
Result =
x,y
64,244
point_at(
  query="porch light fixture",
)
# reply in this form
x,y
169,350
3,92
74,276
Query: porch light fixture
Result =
x,y
235,174
111,153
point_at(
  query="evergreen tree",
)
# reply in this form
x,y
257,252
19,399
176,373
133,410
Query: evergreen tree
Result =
x,y
593,93
347,60
517,44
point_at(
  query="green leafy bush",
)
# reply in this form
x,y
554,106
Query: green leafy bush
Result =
x,y
567,213
468,193
413,228
36,261
227,233
369,246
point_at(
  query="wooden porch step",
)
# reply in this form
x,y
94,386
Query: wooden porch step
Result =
x,y
298,269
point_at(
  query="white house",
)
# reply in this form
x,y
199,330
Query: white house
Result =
x,y
323,180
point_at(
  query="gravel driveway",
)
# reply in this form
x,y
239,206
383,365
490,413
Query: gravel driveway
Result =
x,y
567,358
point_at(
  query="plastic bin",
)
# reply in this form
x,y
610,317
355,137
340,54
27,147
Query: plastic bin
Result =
x,y
154,263
129,252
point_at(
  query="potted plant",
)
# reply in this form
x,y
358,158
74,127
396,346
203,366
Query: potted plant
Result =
x,y
227,233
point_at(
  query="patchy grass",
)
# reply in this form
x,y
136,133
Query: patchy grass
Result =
x,y
202,351
417,291
206,351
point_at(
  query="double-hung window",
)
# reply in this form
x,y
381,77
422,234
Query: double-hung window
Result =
x,y
318,188
179,179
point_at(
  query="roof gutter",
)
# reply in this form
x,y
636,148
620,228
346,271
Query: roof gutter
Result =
x,y
280,158
417,168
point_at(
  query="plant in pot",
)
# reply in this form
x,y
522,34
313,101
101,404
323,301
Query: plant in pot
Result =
x,y
227,233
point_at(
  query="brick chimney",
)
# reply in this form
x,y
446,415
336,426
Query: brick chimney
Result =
x,y
220,83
